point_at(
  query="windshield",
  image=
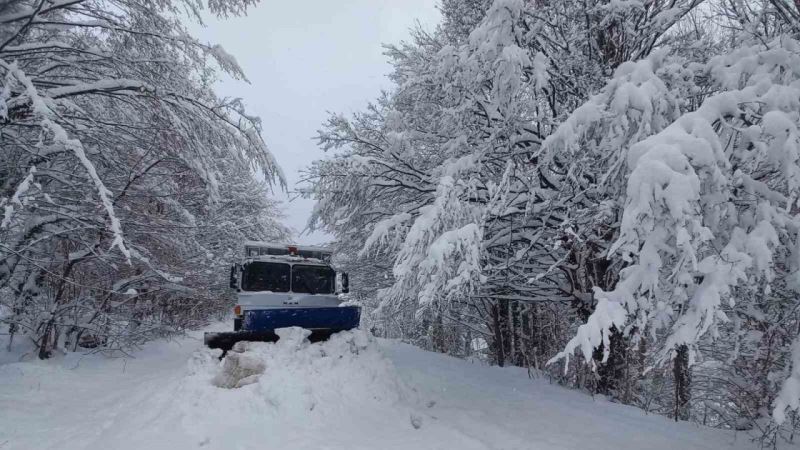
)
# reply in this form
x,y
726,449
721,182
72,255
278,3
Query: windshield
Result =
x,y
265,276
313,279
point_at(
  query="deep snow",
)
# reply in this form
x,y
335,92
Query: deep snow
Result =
x,y
352,392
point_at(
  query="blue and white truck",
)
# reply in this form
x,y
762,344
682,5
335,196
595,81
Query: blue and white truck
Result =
x,y
283,285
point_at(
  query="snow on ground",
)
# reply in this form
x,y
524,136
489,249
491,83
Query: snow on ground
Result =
x,y
352,392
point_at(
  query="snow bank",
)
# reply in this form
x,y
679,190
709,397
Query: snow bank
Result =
x,y
292,373
269,389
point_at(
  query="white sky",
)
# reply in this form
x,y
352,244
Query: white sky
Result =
x,y
304,58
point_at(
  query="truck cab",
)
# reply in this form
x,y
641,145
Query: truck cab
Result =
x,y
284,285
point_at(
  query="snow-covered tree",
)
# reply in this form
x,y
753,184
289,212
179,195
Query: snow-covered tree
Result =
x,y
125,182
616,179
442,174
708,230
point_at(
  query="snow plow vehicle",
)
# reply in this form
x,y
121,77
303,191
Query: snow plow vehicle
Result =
x,y
281,286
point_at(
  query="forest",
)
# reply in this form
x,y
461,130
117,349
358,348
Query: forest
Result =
x,y
604,193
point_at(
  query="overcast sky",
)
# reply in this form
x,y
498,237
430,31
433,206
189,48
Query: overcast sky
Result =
x,y
304,58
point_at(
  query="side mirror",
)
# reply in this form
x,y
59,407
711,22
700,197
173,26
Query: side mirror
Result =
x,y
345,283
234,281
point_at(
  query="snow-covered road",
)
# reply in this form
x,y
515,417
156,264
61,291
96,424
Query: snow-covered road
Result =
x,y
352,392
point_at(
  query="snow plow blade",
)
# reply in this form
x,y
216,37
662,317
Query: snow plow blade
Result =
x,y
260,324
227,339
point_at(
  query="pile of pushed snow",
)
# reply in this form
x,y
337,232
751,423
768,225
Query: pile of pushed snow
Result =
x,y
280,388
239,369
292,372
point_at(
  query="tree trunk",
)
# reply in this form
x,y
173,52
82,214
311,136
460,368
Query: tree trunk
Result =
x,y
518,333
438,335
49,338
611,374
683,379
504,313
498,346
